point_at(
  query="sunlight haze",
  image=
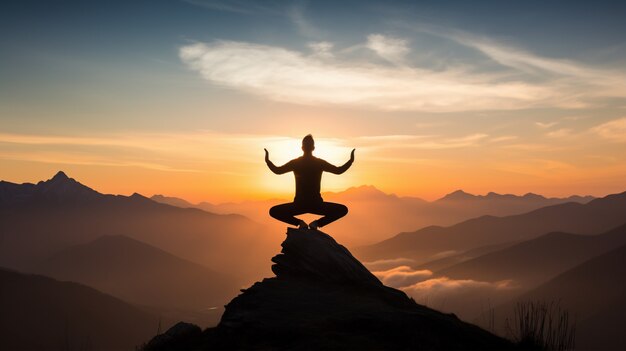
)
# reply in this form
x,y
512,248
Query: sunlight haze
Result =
x,y
433,100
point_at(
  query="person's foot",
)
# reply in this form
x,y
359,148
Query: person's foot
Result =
x,y
314,225
303,225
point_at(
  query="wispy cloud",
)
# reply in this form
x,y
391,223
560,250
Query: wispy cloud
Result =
x,y
402,276
196,151
614,130
503,138
185,152
391,49
326,77
290,76
444,288
560,133
295,13
579,83
322,49
429,289
425,142
545,125
386,264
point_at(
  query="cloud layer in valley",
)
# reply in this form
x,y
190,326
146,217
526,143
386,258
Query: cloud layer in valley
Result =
x,y
436,291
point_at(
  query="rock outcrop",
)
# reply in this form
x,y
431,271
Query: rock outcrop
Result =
x,y
323,298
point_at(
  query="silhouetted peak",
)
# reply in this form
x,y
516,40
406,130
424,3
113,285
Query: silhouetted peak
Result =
x,y
315,255
579,198
458,195
362,192
63,187
533,196
366,189
60,176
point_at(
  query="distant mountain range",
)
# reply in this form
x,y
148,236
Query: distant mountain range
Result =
x,y
144,275
536,261
39,313
594,293
525,266
428,243
39,220
375,215
180,260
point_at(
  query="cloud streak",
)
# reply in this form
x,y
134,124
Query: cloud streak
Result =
x,y
391,49
402,276
455,295
436,291
386,264
291,76
327,77
614,130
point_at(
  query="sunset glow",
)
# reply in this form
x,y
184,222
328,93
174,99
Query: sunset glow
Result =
x,y
430,108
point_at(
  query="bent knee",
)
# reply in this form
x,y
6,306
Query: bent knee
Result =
x,y
343,210
274,211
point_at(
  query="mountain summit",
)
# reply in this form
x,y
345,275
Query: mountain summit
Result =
x,y
323,298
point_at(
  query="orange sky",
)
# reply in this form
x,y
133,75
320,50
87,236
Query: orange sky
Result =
x,y
215,167
460,100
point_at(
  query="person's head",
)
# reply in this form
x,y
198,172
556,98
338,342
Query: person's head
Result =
x,y
308,144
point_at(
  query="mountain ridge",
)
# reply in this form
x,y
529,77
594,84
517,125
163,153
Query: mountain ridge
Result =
x,y
141,274
593,217
400,213
42,313
43,218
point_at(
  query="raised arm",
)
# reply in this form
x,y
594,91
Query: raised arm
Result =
x,y
341,169
287,167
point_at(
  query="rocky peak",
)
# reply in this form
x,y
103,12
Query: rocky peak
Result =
x,y
310,254
323,298
60,176
62,187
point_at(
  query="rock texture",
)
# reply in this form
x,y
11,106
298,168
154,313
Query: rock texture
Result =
x,y
323,298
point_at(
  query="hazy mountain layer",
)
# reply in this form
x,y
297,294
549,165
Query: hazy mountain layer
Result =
x,y
375,215
594,293
428,243
39,220
40,313
536,261
144,275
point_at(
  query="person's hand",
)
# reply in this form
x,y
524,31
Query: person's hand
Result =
x,y
267,155
352,155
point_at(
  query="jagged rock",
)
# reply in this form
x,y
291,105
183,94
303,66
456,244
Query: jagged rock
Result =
x,y
316,255
323,298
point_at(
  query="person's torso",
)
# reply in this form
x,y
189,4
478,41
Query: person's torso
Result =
x,y
308,173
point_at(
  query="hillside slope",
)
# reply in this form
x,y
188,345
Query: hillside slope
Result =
x,y
424,245
141,274
39,220
40,313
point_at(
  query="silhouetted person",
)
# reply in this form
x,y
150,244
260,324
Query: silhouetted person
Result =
x,y
308,172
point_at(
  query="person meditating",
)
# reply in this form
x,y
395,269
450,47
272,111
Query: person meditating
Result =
x,y
308,172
